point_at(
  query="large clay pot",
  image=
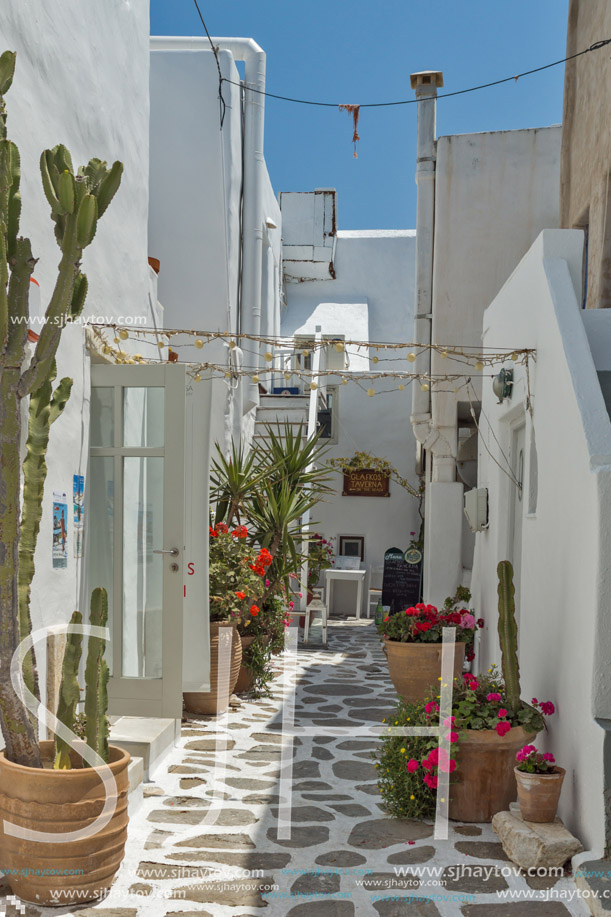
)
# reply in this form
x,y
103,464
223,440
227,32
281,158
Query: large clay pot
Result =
x,y
244,682
484,782
58,801
216,701
415,668
539,794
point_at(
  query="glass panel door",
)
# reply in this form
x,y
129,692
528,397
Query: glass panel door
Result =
x,y
136,541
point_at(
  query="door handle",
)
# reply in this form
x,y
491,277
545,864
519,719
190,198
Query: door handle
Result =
x,y
173,551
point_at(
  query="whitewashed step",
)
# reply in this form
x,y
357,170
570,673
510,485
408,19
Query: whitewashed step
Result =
x,y
148,738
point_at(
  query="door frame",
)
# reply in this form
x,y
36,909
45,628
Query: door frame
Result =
x,y
144,696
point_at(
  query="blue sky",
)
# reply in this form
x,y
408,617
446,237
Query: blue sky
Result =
x,y
356,51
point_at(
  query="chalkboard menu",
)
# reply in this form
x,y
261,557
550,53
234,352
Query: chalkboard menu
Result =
x,y
402,580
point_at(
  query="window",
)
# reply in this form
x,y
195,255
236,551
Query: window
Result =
x,y
327,415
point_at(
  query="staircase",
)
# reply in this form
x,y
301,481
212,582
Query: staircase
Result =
x,y
278,410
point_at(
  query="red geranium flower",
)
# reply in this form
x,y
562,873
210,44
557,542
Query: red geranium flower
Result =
x,y
221,528
241,595
254,610
503,728
240,532
213,534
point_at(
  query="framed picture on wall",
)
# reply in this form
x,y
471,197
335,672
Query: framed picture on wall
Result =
x,y
352,546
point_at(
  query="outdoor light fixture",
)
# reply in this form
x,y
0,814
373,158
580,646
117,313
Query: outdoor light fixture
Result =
x,y
271,224
502,385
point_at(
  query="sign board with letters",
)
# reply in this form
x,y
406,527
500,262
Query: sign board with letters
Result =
x,y
366,482
402,579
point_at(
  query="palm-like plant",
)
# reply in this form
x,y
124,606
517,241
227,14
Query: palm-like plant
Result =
x,y
233,481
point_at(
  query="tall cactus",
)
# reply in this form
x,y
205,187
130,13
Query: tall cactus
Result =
x,y
96,680
46,406
508,635
69,692
77,201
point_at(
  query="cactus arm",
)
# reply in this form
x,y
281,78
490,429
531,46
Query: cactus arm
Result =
x,y
45,407
508,635
96,680
69,693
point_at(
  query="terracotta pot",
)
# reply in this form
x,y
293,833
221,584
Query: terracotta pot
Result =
x,y
414,668
210,702
55,801
244,682
484,782
539,794
155,263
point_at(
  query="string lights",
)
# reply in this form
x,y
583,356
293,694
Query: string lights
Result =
x,y
268,368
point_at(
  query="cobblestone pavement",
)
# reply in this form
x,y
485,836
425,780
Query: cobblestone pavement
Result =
x,y
344,857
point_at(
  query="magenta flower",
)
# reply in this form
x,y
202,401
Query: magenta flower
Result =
x,y
452,737
494,698
548,756
449,721
467,620
431,781
502,712
412,765
547,708
534,701
503,727
430,707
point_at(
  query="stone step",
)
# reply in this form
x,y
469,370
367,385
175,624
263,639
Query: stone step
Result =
x,y
148,738
531,845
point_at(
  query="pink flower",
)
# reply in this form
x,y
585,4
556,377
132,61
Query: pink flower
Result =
x,y
428,708
412,765
433,756
547,708
503,728
502,713
431,781
449,721
467,620
473,685
548,756
494,698
534,701
452,737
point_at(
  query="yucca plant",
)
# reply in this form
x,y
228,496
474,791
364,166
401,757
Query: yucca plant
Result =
x,y
78,199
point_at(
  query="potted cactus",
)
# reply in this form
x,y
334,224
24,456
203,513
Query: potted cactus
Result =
x,y
492,722
60,799
67,794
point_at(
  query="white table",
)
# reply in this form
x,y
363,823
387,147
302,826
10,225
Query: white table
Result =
x,y
354,576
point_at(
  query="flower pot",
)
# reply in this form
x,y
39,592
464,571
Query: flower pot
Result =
x,y
415,668
244,682
58,801
484,782
539,794
214,701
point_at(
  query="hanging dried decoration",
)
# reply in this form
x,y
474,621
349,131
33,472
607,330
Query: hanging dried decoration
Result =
x,y
355,111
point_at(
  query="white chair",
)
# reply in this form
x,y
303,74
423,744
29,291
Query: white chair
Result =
x,y
316,607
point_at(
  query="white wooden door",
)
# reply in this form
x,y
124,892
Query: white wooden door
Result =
x,y
135,543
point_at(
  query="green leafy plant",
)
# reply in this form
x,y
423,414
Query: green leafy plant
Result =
x,y
320,557
531,761
236,574
424,624
77,201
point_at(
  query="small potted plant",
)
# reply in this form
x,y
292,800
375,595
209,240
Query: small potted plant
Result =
x,y
539,782
413,644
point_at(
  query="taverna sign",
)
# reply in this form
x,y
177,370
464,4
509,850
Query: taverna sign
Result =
x,y
367,482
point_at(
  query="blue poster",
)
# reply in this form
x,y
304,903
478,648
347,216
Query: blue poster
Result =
x,y
60,530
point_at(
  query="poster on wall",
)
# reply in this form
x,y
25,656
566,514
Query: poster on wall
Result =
x,y
78,510
60,530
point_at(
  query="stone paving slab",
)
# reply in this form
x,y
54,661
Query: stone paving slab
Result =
x,y
211,835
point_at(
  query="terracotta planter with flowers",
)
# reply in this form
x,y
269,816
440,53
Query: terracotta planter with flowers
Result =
x,y
539,781
413,647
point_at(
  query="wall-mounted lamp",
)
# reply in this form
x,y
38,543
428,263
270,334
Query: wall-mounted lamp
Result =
x,y
270,223
502,385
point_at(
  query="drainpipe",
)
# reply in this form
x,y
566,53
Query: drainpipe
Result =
x,y
425,85
253,56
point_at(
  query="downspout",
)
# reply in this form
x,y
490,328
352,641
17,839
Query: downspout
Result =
x,y
425,85
253,56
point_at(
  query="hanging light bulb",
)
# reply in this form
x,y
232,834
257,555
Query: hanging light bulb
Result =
x,y
411,357
344,382
444,354
255,379
401,387
198,343
123,334
514,357
425,387
268,356
117,340
161,345
313,385
339,346
479,365
232,344
375,359
371,392
287,376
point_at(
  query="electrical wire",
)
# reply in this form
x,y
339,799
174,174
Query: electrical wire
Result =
x,y
215,50
446,95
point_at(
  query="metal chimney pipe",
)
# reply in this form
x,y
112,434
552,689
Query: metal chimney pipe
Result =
x,y
425,84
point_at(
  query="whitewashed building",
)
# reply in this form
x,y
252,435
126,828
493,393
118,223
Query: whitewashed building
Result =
x,y
353,285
